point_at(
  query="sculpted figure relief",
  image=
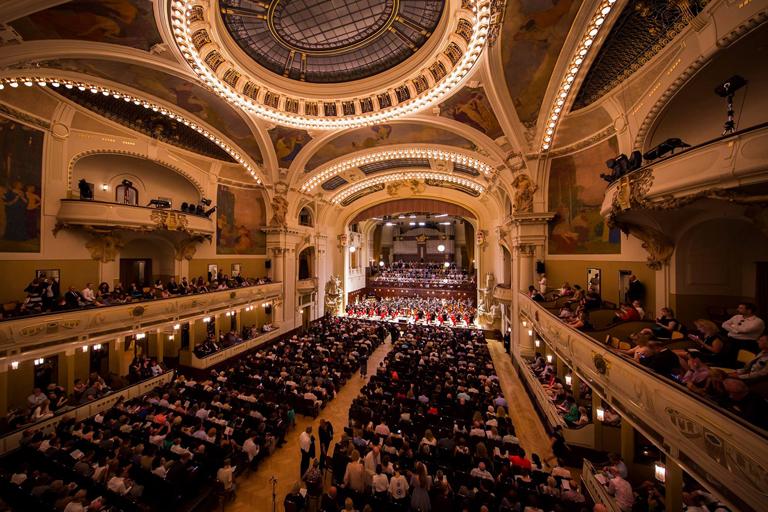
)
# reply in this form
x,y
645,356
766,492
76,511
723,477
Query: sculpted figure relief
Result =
x,y
279,211
524,190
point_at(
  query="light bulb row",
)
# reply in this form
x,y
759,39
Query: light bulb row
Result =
x,y
481,21
555,113
106,91
404,176
394,154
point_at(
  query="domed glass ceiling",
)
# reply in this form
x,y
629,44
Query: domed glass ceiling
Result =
x,y
330,41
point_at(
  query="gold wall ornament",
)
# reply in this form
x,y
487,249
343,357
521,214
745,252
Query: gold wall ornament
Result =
x,y
279,211
601,365
658,245
187,247
170,220
104,247
522,201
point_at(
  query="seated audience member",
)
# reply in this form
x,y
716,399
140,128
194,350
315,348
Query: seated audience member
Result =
x,y
662,360
535,294
744,403
630,312
715,351
757,367
666,324
745,327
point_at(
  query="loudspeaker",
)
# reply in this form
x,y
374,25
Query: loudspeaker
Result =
x,y
268,264
540,267
268,308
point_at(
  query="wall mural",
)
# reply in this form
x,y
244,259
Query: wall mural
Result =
x,y
531,39
288,142
21,171
471,107
187,96
576,192
385,134
240,215
125,22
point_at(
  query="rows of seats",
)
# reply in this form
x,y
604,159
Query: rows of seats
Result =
x,y
150,451
434,414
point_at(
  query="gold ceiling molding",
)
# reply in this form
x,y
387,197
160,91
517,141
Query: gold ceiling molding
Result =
x,y
30,80
444,70
404,176
334,169
577,59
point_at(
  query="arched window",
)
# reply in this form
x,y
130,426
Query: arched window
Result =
x,y
126,193
305,217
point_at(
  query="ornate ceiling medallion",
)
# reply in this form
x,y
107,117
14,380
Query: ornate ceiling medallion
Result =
x,y
395,154
57,82
394,57
406,176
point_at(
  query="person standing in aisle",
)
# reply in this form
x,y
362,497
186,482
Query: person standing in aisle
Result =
x,y
307,448
325,432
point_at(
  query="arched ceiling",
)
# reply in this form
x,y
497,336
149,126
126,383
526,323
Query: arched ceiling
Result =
x,y
481,77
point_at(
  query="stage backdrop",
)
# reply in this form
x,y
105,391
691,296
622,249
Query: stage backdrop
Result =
x,y
21,169
240,215
576,192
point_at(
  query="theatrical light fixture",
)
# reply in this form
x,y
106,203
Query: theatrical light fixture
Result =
x,y
400,176
441,248
422,224
446,264
82,86
665,147
622,165
326,172
728,90
381,263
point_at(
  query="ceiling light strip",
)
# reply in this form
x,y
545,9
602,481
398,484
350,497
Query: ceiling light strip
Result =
x,y
395,154
578,58
481,22
403,176
107,91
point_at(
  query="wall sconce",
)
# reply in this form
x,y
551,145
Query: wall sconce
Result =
x,y
171,337
97,346
525,324
530,332
139,336
549,358
176,327
206,319
39,361
104,187
537,342
85,348
600,413
14,365
568,380
659,471
352,248
228,313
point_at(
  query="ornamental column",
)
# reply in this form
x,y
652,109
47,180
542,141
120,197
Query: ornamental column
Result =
x,y
281,246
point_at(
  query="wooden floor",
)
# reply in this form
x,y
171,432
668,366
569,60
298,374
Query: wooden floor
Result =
x,y
254,492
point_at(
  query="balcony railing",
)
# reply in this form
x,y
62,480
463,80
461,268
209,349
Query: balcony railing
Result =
x,y
596,488
503,294
720,164
188,358
105,323
725,453
75,213
306,285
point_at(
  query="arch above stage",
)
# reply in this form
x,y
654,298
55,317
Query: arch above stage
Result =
x,y
413,205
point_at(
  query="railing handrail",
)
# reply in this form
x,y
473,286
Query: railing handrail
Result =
x,y
115,203
667,381
9,440
601,494
133,302
709,142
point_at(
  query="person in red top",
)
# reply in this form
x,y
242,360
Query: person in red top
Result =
x,y
519,461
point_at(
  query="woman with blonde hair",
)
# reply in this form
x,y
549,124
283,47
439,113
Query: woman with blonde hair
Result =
x,y
715,350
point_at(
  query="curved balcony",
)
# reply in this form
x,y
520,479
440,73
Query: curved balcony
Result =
x,y
75,213
503,294
104,323
306,285
707,170
725,453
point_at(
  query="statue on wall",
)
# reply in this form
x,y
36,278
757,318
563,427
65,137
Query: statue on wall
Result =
x,y
279,211
104,247
522,200
333,294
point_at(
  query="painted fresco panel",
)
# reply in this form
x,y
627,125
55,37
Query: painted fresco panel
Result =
x,y
288,142
386,134
240,215
533,34
576,192
125,22
471,107
21,170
